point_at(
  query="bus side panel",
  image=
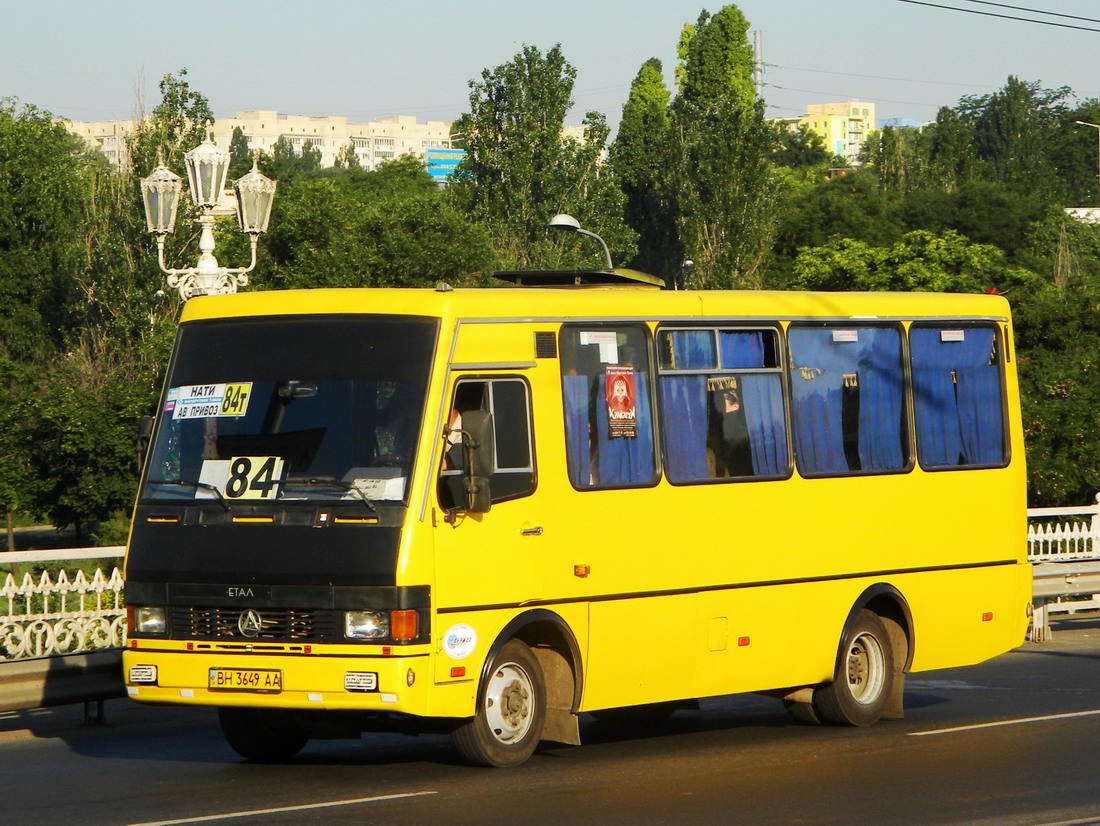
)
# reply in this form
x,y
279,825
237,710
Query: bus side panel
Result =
x,y
970,617
642,650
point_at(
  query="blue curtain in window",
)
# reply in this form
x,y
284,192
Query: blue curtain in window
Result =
x,y
575,389
762,397
625,461
939,440
880,399
818,430
684,417
817,379
958,421
692,349
981,419
741,350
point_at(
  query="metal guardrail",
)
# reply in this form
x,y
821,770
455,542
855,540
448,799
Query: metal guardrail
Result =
x,y
61,635
40,682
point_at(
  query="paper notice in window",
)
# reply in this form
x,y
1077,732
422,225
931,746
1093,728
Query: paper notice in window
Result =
x,y
608,342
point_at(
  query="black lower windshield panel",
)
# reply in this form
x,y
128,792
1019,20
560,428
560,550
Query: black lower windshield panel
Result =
x,y
345,554
292,410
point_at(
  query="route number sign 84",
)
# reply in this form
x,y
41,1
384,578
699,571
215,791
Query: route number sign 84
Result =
x,y
244,477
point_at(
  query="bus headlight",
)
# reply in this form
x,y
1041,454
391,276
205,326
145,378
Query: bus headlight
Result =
x,y
366,625
149,619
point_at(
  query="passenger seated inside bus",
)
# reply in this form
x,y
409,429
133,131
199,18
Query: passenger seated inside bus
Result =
x,y
728,449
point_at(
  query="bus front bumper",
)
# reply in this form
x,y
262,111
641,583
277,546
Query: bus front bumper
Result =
x,y
395,684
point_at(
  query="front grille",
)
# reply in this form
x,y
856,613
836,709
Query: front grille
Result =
x,y
276,624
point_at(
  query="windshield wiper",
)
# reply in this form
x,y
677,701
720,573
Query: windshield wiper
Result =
x,y
331,483
193,484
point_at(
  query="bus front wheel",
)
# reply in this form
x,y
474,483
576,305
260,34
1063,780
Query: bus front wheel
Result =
x,y
511,711
864,674
261,734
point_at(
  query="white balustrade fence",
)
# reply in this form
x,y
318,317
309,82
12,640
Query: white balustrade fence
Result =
x,y
43,614
1063,534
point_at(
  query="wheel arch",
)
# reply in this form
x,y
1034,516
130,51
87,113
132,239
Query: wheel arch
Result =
x,y
555,646
539,628
887,602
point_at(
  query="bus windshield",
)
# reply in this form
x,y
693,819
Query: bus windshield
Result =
x,y
276,409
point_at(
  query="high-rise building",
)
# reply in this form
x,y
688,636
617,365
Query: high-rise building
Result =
x,y
373,141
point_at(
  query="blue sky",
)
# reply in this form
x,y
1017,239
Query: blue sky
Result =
x,y
370,58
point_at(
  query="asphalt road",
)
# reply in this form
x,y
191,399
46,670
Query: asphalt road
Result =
x,y
1013,741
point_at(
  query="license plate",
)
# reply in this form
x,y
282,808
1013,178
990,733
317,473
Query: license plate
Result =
x,y
246,679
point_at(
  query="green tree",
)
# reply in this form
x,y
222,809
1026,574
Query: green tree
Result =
x,y
347,157
920,261
521,168
952,159
718,60
726,193
1012,128
900,157
240,155
1074,154
800,148
639,157
43,202
392,227
80,414
724,188
1058,346
286,162
177,124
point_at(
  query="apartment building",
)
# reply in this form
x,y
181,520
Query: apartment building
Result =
x,y
373,141
843,126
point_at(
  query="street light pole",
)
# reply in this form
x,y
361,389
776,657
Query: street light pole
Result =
x,y
207,168
571,224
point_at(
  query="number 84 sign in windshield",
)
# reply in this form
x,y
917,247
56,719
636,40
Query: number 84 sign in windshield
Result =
x,y
243,477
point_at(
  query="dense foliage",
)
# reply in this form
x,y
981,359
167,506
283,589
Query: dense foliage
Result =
x,y
697,187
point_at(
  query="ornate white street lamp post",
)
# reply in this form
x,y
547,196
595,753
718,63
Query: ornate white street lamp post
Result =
x,y
207,167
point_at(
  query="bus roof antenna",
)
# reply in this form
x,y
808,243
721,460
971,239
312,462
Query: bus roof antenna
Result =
x,y
568,222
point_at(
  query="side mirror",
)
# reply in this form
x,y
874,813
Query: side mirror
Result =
x,y
479,453
144,435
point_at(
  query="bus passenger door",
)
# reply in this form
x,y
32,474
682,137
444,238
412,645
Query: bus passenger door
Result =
x,y
484,559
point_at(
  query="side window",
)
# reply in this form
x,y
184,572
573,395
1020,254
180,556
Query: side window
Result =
x,y
608,415
848,397
957,395
509,402
721,393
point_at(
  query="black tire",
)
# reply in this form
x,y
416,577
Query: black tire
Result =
x,y
262,735
804,713
510,713
863,678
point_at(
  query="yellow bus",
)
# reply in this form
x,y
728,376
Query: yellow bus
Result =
x,y
486,511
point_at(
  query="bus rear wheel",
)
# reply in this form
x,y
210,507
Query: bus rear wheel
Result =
x,y
864,675
263,735
510,714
